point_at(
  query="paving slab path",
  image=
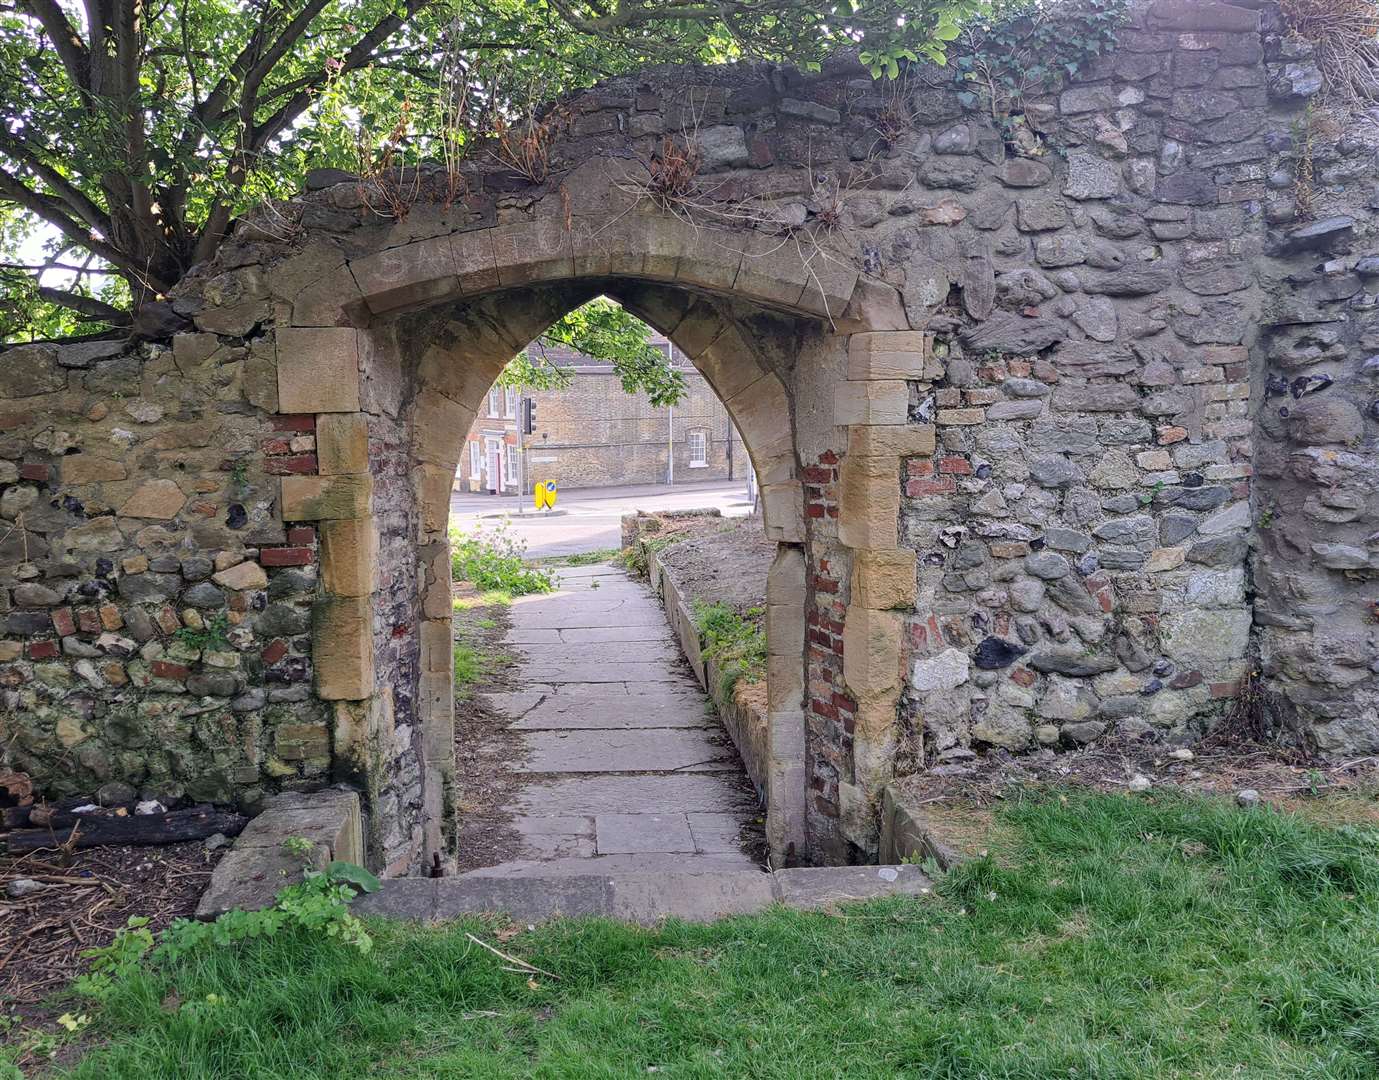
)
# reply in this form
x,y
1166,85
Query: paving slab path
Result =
x,y
623,766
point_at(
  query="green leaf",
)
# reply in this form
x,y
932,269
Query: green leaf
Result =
x,y
354,875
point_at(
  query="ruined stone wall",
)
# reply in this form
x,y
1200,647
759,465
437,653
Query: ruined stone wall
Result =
x,y
156,609
1065,425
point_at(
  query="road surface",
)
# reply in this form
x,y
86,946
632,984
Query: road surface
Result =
x,y
589,519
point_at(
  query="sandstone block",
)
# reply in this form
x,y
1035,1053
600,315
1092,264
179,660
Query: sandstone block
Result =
x,y
29,370
785,630
158,500
869,506
875,720
432,485
773,273
871,652
243,576
883,401
342,443
884,579
762,414
90,469
782,512
438,429
897,355
529,251
318,369
407,276
727,361
784,683
325,498
785,579
898,440
349,551
342,648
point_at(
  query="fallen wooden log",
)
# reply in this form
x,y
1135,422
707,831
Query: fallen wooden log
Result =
x,y
141,829
52,817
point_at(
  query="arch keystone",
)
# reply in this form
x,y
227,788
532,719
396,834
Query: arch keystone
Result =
x,y
528,251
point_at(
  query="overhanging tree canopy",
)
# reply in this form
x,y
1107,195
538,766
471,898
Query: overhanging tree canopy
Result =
x,y
137,131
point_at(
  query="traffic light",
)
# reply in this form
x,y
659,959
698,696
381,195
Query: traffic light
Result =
x,y
528,416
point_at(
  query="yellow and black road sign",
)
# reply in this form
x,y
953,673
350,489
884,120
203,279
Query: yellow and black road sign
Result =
x,y
543,495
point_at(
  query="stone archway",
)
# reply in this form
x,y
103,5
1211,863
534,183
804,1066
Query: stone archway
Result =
x,y
394,350
1113,380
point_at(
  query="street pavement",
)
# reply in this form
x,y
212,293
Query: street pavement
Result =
x,y
624,765
589,519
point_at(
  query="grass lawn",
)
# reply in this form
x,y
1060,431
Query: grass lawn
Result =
x,y
1106,936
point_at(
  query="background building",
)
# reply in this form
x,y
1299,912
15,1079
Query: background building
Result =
x,y
592,433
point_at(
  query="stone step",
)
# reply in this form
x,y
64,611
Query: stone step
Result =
x,y
641,896
636,750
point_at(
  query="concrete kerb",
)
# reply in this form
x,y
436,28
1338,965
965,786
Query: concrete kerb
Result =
x,y
644,898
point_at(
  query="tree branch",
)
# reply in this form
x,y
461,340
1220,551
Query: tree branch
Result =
x,y
86,305
22,150
48,208
71,50
358,56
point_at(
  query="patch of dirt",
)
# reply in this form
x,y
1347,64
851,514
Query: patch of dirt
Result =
x,y
87,896
486,747
725,560
957,800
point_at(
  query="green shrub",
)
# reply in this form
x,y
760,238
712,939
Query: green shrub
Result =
x,y
495,561
736,643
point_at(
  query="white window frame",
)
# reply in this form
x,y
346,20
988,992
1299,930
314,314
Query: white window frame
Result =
x,y
476,459
495,401
511,395
512,459
700,460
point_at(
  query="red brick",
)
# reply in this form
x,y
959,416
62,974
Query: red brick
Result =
x,y
1022,677
817,474
287,556
42,650
825,585
296,465
295,422
1225,689
274,444
89,620
301,534
828,457
34,471
274,652
918,489
959,466
168,621
759,153
63,622
919,467
814,510
166,669
822,708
